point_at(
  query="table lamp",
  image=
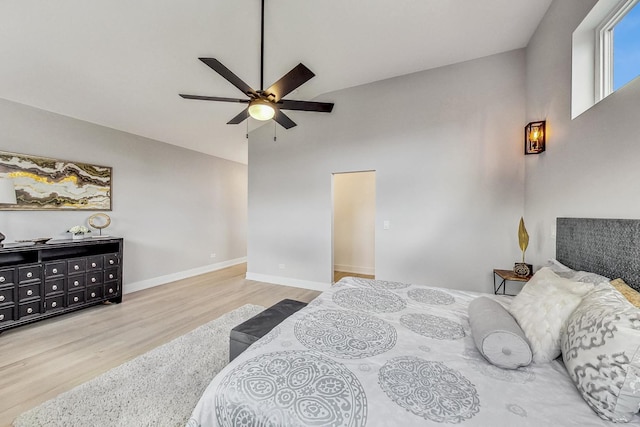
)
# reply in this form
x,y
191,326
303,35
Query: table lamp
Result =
x,y
7,196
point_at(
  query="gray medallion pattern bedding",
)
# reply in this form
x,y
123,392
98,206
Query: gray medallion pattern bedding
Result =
x,y
376,353
345,335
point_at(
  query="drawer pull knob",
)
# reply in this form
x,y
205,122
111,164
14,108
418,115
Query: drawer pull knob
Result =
x,y
1,298
55,270
111,262
29,292
54,287
111,276
93,280
29,310
2,279
29,274
76,267
93,264
54,304
110,290
93,294
1,317
76,283
76,299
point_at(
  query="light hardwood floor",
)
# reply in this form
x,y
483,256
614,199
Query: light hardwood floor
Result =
x,y
337,275
41,360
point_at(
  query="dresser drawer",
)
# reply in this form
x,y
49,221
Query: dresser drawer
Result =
x,y
77,265
53,269
94,278
26,292
75,282
6,276
54,286
110,289
6,314
94,292
7,295
111,260
54,303
29,308
111,274
29,273
75,298
95,263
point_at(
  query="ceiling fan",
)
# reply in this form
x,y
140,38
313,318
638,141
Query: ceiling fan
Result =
x,y
266,104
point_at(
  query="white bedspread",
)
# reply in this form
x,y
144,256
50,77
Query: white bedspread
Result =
x,y
381,353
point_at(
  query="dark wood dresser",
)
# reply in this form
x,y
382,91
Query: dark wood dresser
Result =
x,y
46,280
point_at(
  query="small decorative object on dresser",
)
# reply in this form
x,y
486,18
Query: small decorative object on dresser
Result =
x,y
41,281
522,269
78,232
99,221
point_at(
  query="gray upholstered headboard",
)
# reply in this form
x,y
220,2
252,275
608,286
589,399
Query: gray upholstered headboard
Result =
x,y
610,247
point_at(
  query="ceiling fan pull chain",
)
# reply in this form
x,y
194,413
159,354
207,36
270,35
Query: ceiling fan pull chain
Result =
x,y
247,134
275,130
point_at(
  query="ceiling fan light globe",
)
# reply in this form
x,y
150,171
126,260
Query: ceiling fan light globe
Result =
x,y
261,110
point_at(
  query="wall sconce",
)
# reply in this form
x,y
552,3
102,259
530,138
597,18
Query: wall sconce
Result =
x,y
534,137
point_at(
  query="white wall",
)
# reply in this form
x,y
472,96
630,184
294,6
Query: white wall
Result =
x,y
173,207
354,222
590,168
446,145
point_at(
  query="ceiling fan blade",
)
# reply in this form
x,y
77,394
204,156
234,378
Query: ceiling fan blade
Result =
x,y
283,120
228,74
321,107
214,98
295,78
240,117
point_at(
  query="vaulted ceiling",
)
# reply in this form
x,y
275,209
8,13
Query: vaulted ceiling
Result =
x,y
122,63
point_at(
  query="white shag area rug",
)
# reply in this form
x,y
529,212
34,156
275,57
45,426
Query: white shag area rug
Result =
x,y
158,388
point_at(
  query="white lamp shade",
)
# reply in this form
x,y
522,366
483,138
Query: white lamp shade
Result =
x,y
261,110
7,192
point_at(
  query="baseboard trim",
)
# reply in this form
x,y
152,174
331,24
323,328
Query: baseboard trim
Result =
x,y
355,270
288,281
163,280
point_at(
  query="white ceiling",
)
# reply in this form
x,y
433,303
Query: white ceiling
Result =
x,y
122,63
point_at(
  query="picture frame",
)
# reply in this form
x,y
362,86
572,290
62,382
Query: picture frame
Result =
x,y
43,183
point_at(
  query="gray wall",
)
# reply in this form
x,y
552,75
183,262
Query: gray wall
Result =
x,y
590,167
446,145
174,207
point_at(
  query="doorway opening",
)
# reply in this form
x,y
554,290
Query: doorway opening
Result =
x,y
354,215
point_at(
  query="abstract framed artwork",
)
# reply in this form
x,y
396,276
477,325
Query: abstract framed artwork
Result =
x,y
48,184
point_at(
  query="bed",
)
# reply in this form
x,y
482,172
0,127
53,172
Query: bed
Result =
x,y
380,353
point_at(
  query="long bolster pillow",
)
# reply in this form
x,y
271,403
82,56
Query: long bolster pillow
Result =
x,y
497,335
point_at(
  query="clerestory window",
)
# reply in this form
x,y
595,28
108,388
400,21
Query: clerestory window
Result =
x,y
619,47
606,52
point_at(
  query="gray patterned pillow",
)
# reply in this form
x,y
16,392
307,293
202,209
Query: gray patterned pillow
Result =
x,y
601,351
578,276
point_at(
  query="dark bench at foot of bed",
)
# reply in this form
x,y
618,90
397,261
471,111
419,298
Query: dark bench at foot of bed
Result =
x,y
245,334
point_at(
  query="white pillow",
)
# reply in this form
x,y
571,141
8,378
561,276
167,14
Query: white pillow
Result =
x,y
542,309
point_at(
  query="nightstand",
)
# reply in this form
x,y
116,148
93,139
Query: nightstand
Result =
x,y
504,276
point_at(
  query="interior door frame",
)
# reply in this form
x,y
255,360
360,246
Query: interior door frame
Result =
x,y
375,185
